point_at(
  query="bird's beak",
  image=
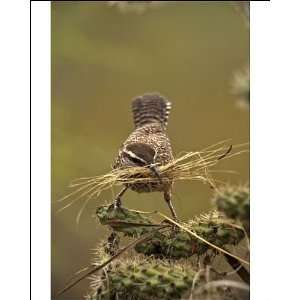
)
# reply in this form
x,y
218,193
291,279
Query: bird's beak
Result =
x,y
154,169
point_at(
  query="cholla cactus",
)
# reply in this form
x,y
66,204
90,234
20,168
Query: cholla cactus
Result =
x,y
180,244
234,202
142,279
151,272
172,244
121,219
151,279
241,87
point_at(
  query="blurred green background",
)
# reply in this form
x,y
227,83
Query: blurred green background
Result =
x,y
102,57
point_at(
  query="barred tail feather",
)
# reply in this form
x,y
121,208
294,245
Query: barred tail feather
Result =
x,y
151,108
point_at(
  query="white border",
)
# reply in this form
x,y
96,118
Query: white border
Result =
x,y
41,108
14,156
275,114
275,150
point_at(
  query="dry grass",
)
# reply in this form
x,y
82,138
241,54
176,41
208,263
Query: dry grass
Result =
x,y
186,166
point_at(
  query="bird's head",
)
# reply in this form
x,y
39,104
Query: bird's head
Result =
x,y
141,155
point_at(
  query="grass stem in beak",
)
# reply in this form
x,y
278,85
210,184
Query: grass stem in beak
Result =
x,y
154,169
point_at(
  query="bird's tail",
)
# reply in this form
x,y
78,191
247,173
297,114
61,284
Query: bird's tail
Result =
x,y
151,108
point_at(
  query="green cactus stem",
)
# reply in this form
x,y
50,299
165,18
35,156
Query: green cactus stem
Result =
x,y
144,280
180,244
121,219
234,202
172,244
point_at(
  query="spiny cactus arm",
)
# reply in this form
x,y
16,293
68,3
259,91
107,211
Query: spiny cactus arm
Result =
x,y
101,266
204,240
144,279
149,279
234,203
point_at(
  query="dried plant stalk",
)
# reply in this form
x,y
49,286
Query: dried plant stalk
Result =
x,y
187,166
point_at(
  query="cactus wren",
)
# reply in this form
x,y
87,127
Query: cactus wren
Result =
x,y
148,145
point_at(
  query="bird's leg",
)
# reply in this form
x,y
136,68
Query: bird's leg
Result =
x,y
117,201
167,196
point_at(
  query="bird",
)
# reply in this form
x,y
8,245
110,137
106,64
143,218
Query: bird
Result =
x,y
148,146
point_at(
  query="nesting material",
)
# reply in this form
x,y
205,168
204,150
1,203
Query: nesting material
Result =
x,y
187,166
195,166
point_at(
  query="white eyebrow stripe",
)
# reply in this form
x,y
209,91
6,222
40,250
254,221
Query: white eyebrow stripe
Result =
x,y
133,155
